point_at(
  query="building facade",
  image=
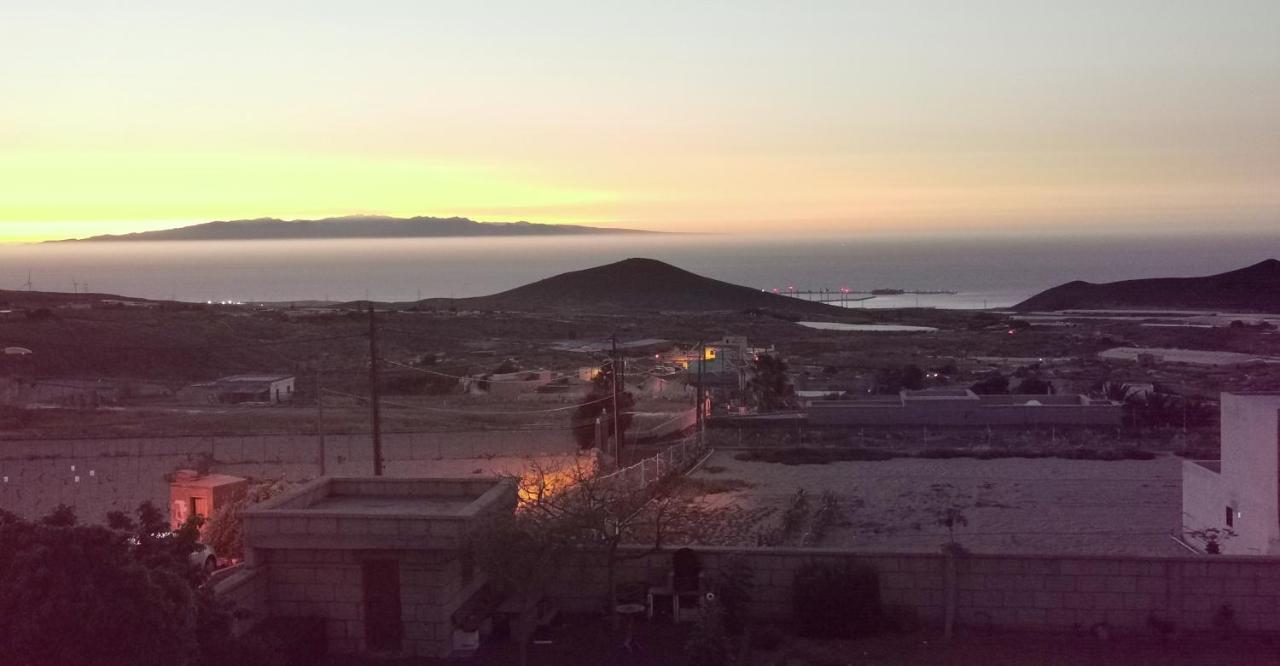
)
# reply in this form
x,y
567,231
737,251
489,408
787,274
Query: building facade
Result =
x,y
1237,498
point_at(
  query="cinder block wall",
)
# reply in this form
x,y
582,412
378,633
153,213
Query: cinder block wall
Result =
x,y
329,584
1022,592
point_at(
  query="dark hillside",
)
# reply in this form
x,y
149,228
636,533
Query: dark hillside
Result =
x,y
637,285
1252,289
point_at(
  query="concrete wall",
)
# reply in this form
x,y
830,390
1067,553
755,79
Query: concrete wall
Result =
x,y
961,414
1251,470
1024,592
99,475
329,584
1204,498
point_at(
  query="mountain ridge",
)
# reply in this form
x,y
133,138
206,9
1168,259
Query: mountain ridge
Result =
x,y
349,226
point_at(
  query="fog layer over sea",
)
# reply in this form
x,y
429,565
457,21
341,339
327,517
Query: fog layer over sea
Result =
x,y
990,271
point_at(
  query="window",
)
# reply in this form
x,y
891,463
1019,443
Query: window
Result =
x,y
1231,517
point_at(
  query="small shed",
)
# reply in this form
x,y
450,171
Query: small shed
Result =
x,y
193,494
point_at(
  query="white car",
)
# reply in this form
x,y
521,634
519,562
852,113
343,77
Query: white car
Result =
x,y
204,558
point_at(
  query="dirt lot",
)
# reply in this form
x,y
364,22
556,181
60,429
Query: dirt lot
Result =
x,y
1011,505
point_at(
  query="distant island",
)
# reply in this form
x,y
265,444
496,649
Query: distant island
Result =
x,y
1254,288
354,226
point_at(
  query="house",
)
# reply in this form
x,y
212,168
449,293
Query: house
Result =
x,y
384,562
506,384
236,389
1240,492
193,494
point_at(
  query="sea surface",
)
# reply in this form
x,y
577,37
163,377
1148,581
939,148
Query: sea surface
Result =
x,y
984,271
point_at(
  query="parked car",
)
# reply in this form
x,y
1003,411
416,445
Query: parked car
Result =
x,y
204,558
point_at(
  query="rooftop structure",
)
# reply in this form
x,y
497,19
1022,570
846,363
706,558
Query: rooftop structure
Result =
x,y
383,560
271,389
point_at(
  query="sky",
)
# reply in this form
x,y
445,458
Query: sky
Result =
x,y
812,117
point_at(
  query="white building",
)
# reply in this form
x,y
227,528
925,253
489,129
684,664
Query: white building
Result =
x,y
1241,492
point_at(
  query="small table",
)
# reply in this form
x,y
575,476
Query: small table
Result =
x,y
630,611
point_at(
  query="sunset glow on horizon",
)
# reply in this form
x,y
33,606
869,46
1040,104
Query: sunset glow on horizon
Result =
x,y
735,117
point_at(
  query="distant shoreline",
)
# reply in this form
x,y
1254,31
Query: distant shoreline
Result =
x,y
353,227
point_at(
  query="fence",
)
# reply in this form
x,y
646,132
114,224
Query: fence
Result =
x,y
677,457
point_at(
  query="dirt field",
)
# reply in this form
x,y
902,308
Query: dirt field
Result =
x,y
1011,505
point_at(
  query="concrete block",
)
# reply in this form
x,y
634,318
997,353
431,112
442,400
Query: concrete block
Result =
x,y
1108,600
1047,599
293,574
1126,619
1152,585
1031,617
1077,600
322,526
1140,601
1060,583
892,580
381,527
1121,583
1061,618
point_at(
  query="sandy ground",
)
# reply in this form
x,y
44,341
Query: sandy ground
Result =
x,y
1012,505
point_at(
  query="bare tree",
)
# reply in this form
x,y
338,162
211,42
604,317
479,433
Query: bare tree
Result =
x,y
562,514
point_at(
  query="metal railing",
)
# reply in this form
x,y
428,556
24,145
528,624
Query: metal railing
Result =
x,y
675,458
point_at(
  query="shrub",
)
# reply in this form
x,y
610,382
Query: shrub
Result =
x,y
768,637
836,601
285,641
708,643
732,583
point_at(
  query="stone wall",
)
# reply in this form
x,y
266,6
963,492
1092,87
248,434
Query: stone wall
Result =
x,y
99,475
1056,593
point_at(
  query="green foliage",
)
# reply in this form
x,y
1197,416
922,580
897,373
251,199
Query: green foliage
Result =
x,y
708,643
223,531
828,515
598,402
796,515
1034,386
947,507
836,600
896,378
732,584
72,594
770,386
993,383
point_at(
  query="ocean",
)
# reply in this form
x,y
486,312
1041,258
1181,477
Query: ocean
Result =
x,y
985,271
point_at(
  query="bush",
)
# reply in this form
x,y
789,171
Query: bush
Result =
x,y
768,637
836,601
708,643
732,585
284,641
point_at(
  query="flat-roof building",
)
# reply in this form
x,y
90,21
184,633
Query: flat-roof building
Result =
x,y
384,561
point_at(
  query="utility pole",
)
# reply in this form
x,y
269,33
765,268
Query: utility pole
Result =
x,y
320,419
374,415
617,442
702,361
